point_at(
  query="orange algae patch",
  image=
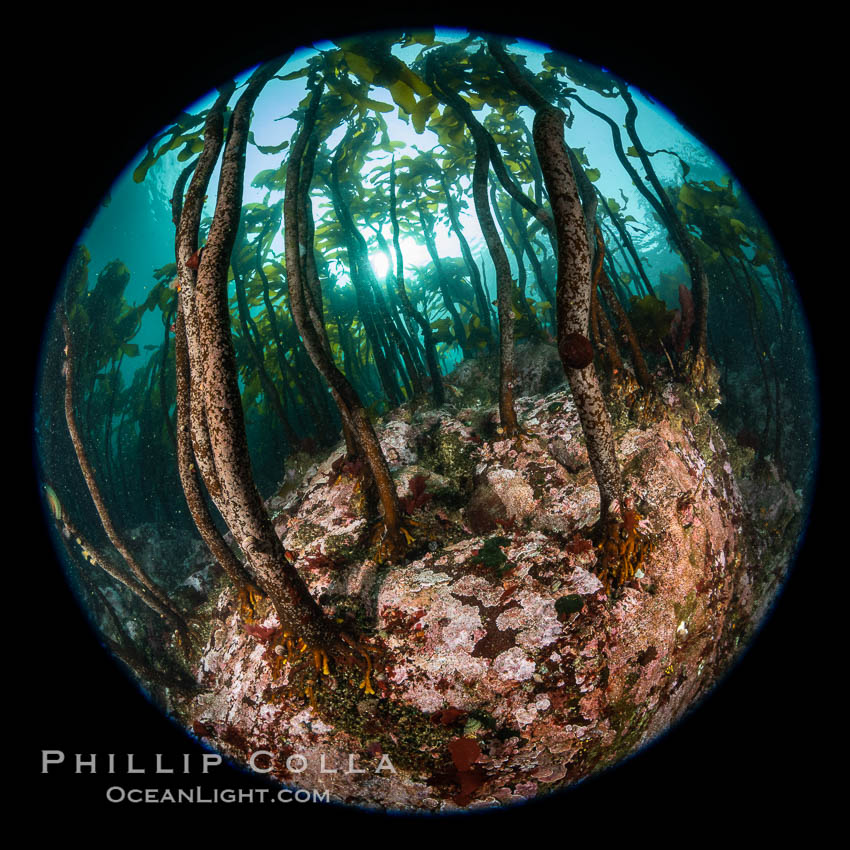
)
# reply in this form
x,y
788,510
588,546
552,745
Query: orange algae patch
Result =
x,y
622,550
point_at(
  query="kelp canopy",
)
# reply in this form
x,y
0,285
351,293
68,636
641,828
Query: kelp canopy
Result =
x,y
332,235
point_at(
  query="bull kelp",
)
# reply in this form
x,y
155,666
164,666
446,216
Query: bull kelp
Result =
x,y
456,414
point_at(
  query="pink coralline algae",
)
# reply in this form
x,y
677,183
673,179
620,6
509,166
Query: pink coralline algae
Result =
x,y
496,635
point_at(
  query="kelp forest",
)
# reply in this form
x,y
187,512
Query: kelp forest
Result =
x,y
430,312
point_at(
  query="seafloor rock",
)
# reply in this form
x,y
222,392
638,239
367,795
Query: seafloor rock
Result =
x,y
538,370
167,554
497,644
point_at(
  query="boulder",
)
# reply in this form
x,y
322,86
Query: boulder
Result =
x,y
504,670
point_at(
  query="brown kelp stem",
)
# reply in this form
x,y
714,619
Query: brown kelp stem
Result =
x,y
466,251
293,372
623,322
353,408
359,268
189,477
437,389
111,477
628,245
537,174
665,211
126,651
251,333
542,283
153,596
189,466
404,366
504,290
755,285
760,349
180,187
510,186
279,348
313,298
520,298
314,289
699,278
630,274
260,245
163,384
399,331
186,248
600,324
504,282
68,531
245,513
573,302
430,243
574,282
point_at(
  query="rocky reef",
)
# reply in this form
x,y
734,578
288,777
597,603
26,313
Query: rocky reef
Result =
x,y
503,669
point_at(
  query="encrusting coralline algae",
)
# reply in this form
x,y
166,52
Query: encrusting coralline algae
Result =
x,y
548,693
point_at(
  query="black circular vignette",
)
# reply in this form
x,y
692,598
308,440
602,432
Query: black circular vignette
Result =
x,y
108,93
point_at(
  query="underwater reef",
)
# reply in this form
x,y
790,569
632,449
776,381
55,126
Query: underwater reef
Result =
x,y
503,668
477,464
